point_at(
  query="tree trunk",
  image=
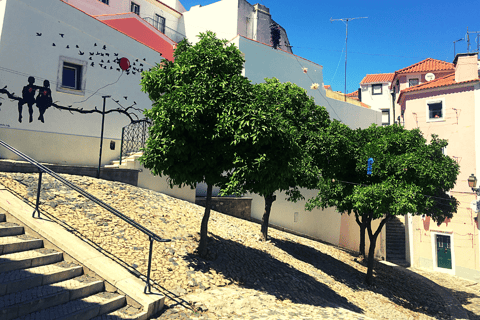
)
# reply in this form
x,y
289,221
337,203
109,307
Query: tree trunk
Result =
x,y
363,226
266,215
373,242
202,247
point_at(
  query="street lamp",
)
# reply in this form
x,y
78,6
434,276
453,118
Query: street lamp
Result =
x,y
472,183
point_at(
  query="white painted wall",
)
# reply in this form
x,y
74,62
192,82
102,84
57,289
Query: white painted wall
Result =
x,y
219,17
227,18
377,102
58,148
264,62
23,54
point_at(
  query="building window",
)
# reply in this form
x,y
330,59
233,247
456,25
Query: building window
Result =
x,y
435,110
71,75
385,117
135,8
376,89
159,23
412,82
104,1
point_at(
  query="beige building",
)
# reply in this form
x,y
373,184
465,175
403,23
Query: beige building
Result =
x,y
449,107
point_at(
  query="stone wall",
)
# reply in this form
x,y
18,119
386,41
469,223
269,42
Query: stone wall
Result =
x,y
233,206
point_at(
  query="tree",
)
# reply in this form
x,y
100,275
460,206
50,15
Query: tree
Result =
x,y
408,176
272,150
196,102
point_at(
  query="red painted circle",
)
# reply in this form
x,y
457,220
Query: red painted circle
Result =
x,y
124,63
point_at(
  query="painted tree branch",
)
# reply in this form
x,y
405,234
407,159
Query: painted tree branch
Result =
x,y
131,115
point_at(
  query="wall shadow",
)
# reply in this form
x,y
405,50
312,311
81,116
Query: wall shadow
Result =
x,y
258,270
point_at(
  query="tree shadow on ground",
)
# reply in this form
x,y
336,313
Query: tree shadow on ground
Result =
x,y
398,287
258,270
468,299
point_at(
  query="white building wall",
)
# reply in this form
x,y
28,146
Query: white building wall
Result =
x,y
377,102
220,17
65,137
227,18
24,54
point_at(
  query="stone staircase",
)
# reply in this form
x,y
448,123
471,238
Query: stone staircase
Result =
x,y
37,283
128,162
396,242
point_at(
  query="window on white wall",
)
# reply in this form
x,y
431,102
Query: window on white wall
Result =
x,y
385,117
159,23
71,75
104,1
135,8
376,89
435,110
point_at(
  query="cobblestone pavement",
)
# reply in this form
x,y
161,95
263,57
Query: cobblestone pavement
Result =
x,y
287,277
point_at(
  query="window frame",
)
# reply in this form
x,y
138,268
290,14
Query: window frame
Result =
x,y
80,75
136,6
105,2
388,111
157,23
376,85
410,79
435,101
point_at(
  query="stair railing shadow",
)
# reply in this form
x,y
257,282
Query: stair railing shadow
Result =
x,y
45,215
26,283
42,169
258,270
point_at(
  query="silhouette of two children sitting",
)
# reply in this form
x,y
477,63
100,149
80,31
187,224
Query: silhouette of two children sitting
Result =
x,y
43,99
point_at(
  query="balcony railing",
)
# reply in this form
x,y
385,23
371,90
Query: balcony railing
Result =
x,y
172,34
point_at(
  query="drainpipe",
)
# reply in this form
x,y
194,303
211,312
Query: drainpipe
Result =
x,y
393,103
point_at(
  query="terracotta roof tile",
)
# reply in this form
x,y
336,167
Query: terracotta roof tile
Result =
x,y
427,65
379,77
327,87
437,83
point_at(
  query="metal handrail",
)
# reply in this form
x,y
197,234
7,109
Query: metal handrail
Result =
x,y
151,236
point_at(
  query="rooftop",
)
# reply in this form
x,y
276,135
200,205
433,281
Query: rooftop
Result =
x,y
445,81
379,77
427,65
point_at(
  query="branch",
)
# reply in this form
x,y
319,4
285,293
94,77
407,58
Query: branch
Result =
x,y
121,110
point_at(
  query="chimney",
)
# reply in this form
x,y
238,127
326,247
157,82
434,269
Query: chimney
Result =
x,y
466,66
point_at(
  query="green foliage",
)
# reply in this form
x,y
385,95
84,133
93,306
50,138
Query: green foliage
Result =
x,y
409,175
273,140
197,101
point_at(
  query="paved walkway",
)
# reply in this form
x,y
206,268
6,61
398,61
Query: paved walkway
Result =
x,y
288,277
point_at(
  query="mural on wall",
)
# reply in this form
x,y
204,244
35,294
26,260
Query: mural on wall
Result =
x,y
43,100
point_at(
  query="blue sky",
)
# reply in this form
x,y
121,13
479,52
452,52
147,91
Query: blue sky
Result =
x,y
395,35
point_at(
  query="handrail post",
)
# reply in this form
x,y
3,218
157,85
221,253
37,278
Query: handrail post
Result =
x,y
149,266
121,146
38,195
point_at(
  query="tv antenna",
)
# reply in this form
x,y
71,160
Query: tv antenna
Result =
x,y
467,36
345,20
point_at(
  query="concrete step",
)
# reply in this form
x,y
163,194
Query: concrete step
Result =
x,y
18,243
29,259
10,229
127,312
80,309
23,279
32,300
